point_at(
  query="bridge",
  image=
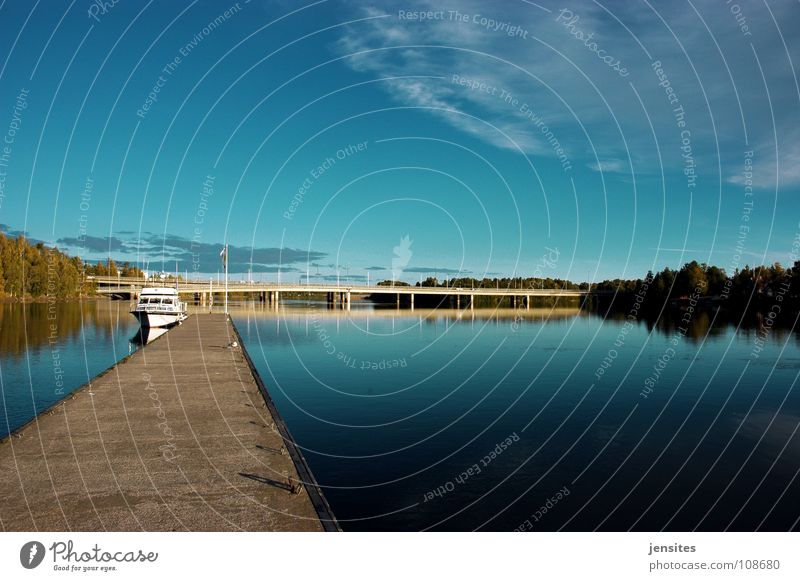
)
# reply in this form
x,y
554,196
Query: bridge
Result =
x,y
337,294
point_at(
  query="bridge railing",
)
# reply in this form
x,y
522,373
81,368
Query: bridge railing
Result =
x,y
110,285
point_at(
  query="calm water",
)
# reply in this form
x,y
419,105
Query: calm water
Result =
x,y
437,421
491,421
46,353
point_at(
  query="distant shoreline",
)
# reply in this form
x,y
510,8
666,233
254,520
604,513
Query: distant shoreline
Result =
x,y
45,299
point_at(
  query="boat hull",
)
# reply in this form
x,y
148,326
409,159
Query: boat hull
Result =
x,y
158,319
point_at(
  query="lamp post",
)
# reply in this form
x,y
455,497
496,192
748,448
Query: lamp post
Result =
x,y
224,255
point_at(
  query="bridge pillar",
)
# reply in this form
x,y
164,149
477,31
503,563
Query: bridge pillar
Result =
x,y
528,302
398,300
277,298
412,301
347,300
514,301
471,302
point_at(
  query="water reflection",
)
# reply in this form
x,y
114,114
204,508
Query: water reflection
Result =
x,y
31,326
147,334
391,404
49,350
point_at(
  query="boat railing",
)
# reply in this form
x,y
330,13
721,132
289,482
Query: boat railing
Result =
x,y
156,308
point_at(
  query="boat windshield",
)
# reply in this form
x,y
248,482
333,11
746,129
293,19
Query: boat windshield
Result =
x,y
156,301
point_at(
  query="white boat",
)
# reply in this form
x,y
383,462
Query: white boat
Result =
x,y
159,307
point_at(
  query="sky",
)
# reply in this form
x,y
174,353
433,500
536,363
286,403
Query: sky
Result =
x,y
370,140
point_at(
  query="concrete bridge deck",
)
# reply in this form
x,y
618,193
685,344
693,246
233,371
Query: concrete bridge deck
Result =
x,y
181,435
110,283
336,293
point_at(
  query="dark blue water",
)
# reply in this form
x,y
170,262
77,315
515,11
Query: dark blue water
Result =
x,y
47,351
416,421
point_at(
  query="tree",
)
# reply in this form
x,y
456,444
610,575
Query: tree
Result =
x,y
716,279
12,266
130,271
36,271
37,274
691,279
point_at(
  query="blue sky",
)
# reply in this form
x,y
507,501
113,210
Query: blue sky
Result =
x,y
317,136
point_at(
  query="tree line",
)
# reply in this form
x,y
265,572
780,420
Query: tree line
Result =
x,y
34,270
505,283
746,288
751,287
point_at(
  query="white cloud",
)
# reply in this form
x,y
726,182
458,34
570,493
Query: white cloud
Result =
x,y
766,175
482,113
592,111
609,165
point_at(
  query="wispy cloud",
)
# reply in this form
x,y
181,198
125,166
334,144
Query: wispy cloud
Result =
x,y
421,75
590,109
96,244
696,252
434,270
609,165
334,278
9,231
765,173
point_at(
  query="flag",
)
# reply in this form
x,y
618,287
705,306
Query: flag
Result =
x,y
224,254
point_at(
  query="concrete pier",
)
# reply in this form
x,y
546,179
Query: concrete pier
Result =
x,y
181,435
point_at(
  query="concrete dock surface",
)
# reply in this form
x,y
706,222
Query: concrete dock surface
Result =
x,y
181,435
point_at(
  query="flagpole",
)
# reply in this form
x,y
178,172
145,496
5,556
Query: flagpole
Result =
x,y
226,279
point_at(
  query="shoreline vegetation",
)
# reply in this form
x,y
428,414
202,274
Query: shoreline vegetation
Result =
x,y
36,272
769,289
